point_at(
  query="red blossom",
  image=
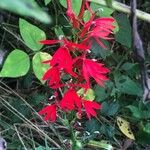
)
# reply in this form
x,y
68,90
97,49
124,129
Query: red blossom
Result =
x,y
50,42
94,70
49,112
106,23
67,44
86,27
71,101
77,46
53,76
90,107
63,60
99,29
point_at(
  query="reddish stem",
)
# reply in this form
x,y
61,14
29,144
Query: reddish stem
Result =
x,y
82,10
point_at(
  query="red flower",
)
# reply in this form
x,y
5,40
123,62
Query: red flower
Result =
x,y
98,28
67,60
63,60
89,108
94,70
66,44
53,76
105,23
49,112
102,28
71,101
80,46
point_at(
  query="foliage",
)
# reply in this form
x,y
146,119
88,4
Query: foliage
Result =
x,y
26,8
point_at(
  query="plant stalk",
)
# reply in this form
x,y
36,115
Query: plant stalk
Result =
x,y
125,9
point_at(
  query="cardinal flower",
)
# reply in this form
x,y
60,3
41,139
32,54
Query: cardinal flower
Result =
x,y
98,29
67,44
53,76
94,70
49,112
102,28
90,107
71,101
63,60
106,23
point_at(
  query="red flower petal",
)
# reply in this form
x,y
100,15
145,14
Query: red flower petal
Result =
x,y
78,46
94,70
49,112
63,60
105,23
90,107
50,42
71,101
53,75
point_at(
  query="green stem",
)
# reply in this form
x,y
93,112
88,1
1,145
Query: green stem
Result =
x,y
73,137
124,8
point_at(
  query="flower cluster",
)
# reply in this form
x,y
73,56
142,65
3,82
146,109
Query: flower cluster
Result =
x,y
71,58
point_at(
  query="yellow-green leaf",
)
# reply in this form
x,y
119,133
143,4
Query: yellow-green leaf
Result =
x,y
124,126
38,67
88,95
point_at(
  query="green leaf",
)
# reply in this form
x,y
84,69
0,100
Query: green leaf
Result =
x,y
131,69
147,128
39,148
38,67
36,98
26,8
143,137
47,2
101,145
17,64
58,31
124,34
125,85
86,16
128,66
135,111
76,5
100,93
102,11
116,29
139,113
110,109
89,95
92,125
31,35
99,51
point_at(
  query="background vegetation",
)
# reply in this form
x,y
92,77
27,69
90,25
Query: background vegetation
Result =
x,y
124,121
